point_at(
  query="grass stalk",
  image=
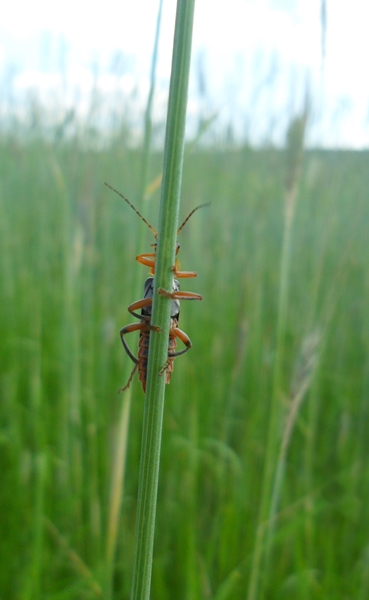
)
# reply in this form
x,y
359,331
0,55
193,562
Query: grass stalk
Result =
x,y
148,112
299,389
168,220
79,566
120,454
271,477
117,489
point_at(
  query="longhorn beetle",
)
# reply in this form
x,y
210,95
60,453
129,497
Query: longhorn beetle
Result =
x,y
145,304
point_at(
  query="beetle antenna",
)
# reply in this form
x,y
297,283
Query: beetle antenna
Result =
x,y
190,215
136,211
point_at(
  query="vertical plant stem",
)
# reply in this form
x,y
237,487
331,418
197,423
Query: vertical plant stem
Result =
x,y
116,491
148,112
120,454
272,437
168,219
272,476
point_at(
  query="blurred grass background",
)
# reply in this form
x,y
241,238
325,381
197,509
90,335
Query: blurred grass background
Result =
x,y
68,273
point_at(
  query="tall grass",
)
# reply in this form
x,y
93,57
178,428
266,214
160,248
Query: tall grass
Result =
x,y
121,449
273,469
161,306
67,271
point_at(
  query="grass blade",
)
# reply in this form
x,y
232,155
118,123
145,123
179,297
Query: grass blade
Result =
x,y
168,218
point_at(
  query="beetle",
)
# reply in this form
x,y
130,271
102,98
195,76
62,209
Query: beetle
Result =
x,y
149,258
145,327
145,304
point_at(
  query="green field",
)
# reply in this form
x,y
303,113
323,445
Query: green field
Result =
x,y
278,377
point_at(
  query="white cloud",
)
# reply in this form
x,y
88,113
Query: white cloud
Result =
x,y
258,54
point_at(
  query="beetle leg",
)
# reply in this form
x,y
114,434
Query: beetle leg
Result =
x,y
184,338
122,389
162,371
179,295
148,260
142,304
176,332
177,269
129,329
183,274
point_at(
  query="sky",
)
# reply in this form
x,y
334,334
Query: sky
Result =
x,y
254,62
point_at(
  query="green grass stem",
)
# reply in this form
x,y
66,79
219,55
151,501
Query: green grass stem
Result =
x,y
168,220
146,151
272,477
120,453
